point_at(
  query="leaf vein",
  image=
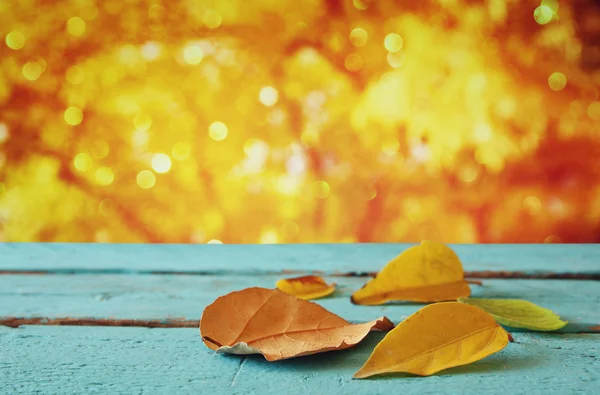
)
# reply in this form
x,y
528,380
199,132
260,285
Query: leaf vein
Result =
x,y
432,350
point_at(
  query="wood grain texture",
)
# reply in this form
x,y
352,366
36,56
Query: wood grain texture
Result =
x,y
137,360
167,298
253,259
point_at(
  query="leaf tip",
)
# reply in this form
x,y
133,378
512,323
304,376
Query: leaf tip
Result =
x,y
361,374
384,324
564,323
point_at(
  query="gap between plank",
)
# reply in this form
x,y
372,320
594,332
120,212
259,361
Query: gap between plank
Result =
x,y
15,322
489,274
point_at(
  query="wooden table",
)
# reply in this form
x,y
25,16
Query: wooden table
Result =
x,y
133,312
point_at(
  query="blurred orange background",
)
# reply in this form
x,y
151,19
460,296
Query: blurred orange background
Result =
x,y
261,121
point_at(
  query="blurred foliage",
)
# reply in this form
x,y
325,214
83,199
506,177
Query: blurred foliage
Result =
x,y
299,121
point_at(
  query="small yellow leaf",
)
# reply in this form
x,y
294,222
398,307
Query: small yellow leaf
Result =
x,y
437,337
518,313
305,287
430,272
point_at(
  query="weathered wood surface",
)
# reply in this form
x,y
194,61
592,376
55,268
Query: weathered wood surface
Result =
x,y
157,285
139,360
264,259
163,298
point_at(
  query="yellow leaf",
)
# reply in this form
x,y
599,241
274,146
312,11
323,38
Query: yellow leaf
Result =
x,y
437,337
305,287
518,313
430,272
278,325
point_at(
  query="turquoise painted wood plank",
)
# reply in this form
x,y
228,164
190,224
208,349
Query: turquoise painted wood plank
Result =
x,y
162,297
139,360
329,258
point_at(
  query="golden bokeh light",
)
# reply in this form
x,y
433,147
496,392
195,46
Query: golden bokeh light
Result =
x,y
140,138
181,150
105,175
369,121
359,37
161,163
146,179
354,62
76,26
218,131
543,14
468,174
362,4
557,81
15,40
532,205
83,162
193,54
269,236
32,71
212,19
73,116
395,59
593,110
151,50
268,96
393,42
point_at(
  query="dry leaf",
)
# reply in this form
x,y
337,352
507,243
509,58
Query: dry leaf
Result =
x,y
277,325
430,272
518,313
305,287
437,337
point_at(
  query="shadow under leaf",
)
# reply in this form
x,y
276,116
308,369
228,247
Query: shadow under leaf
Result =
x,y
493,364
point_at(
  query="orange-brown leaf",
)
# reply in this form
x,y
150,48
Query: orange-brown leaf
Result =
x,y
430,272
305,287
437,337
277,325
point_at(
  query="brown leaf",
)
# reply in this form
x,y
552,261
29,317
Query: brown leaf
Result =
x,y
278,325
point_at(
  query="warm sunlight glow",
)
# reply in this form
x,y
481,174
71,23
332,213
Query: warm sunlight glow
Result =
x,y
300,121
73,116
161,163
146,179
218,131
